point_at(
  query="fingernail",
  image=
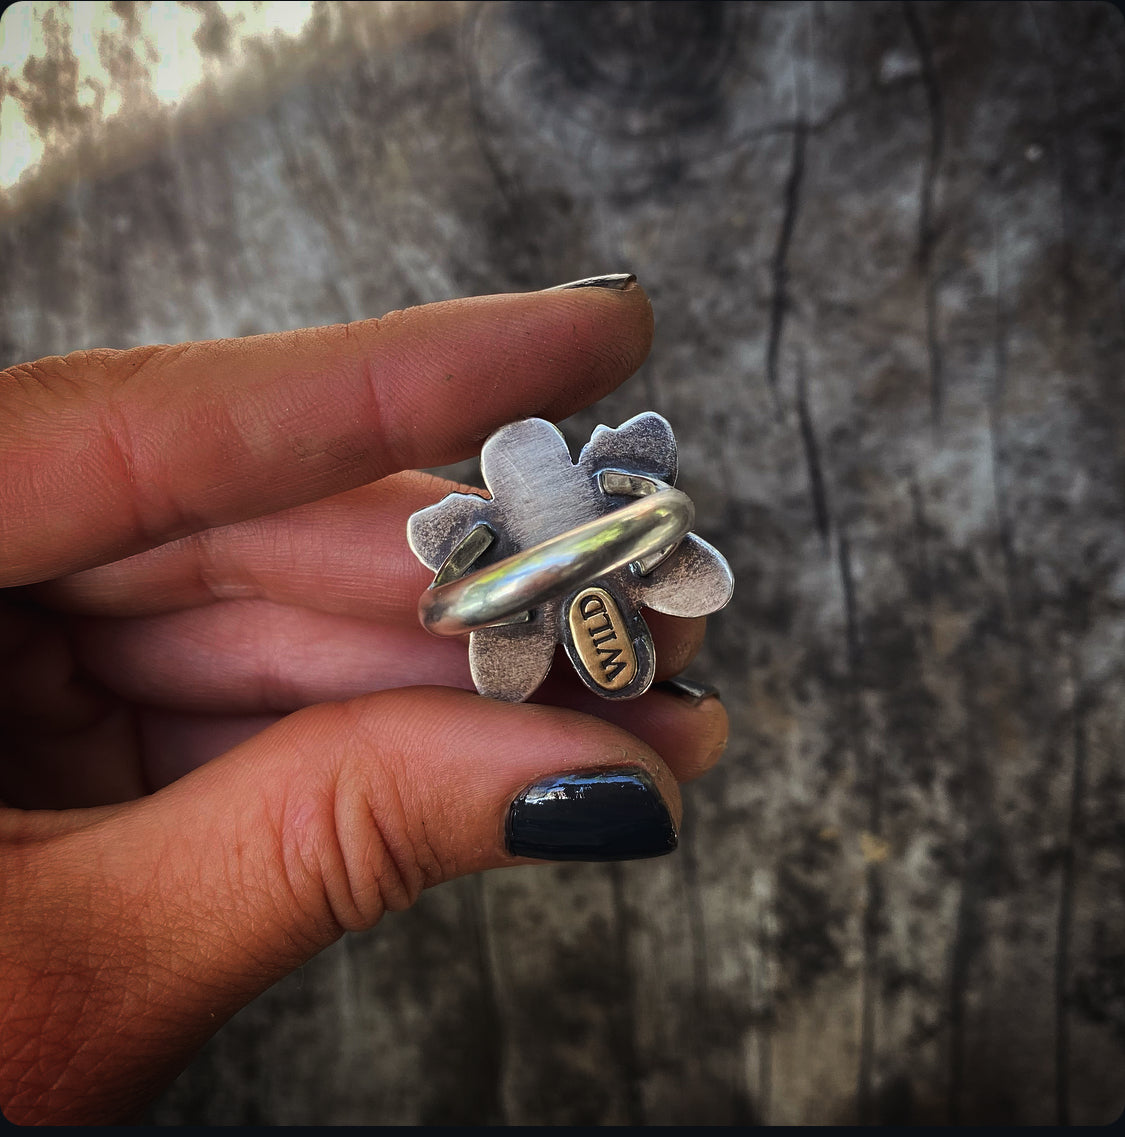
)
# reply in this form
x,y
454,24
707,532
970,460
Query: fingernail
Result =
x,y
617,280
687,689
596,815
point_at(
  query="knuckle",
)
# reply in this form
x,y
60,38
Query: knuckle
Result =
x,y
359,848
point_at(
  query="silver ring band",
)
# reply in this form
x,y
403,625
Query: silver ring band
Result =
x,y
546,571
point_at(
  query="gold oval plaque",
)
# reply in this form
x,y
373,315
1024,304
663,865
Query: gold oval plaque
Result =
x,y
601,640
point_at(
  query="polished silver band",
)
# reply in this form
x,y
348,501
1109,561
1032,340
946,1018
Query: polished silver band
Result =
x,y
520,583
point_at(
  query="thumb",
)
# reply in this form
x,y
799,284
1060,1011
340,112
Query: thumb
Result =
x,y
141,928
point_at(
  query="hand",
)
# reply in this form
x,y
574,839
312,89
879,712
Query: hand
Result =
x,y
215,754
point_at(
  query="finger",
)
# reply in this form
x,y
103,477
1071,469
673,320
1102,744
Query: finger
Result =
x,y
103,454
248,656
173,912
684,723
346,554
319,556
677,640
687,728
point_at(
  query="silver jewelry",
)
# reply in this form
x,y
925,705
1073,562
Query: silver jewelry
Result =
x,y
567,553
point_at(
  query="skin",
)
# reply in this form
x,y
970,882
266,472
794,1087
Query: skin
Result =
x,y
224,739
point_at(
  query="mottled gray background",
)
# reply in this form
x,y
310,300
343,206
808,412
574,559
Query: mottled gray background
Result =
x,y
885,248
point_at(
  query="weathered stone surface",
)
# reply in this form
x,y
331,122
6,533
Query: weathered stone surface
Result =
x,y
885,248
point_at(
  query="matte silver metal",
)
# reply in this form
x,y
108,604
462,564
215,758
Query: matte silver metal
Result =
x,y
511,566
574,559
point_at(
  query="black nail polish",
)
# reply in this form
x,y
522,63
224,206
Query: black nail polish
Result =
x,y
596,815
618,280
687,689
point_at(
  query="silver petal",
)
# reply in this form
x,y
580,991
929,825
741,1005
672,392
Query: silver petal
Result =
x,y
539,493
693,581
644,444
433,532
509,663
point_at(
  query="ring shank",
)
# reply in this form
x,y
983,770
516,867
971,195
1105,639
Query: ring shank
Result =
x,y
544,572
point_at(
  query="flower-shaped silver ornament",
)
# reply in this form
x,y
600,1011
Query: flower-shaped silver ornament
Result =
x,y
567,553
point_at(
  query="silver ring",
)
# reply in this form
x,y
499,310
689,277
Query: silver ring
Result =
x,y
516,585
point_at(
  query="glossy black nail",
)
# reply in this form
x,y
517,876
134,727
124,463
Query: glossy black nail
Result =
x,y
618,280
596,815
687,689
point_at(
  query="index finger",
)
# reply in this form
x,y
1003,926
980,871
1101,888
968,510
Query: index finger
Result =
x,y
104,454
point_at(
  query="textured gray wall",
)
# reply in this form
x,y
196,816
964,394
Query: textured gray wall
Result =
x,y
885,249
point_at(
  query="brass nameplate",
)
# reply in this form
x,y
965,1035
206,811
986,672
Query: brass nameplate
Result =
x,y
601,639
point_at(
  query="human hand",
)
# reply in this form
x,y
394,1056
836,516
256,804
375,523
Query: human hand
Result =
x,y
215,752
